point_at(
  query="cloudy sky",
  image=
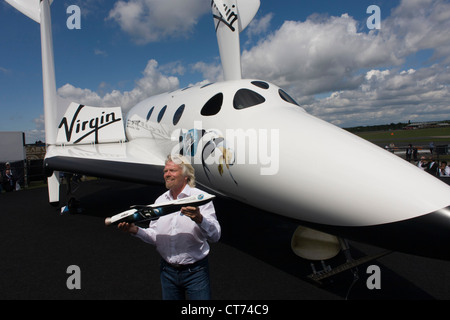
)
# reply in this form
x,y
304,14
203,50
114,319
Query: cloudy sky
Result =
x,y
323,53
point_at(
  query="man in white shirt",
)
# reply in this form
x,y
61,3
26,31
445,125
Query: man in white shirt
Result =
x,y
181,238
444,170
423,162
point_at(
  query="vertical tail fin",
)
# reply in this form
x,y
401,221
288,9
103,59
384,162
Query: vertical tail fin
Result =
x,y
39,11
30,8
48,73
230,18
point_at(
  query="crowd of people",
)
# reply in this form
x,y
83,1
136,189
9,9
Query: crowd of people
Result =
x,y
427,162
436,168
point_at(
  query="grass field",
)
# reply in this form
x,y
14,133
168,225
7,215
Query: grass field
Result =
x,y
418,136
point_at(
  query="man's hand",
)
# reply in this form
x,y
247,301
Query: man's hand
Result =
x,y
193,213
128,227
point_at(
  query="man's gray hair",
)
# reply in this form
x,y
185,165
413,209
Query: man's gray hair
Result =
x,y
188,169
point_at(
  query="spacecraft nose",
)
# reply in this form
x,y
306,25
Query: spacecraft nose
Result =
x,y
427,235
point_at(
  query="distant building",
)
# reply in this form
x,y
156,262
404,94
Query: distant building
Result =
x,y
423,125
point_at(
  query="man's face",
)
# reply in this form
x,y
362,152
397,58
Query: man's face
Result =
x,y
173,176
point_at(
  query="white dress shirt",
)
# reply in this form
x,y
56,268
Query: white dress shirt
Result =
x,y
444,172
178,239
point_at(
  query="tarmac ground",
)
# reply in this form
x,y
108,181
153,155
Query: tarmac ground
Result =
x,y
252,261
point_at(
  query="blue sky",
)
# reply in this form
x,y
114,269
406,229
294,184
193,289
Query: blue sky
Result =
x,y
322,53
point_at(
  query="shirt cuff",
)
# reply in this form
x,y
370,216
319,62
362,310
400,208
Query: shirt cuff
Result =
x,y
140,234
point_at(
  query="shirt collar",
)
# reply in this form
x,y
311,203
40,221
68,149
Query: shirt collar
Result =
x,y
186,192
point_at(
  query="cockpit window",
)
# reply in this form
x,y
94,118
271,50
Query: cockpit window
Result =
x,y
287,97
178,114
213,106
246,98
161,114
261,84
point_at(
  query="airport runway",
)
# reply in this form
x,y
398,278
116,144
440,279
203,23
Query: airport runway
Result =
x,y
252,261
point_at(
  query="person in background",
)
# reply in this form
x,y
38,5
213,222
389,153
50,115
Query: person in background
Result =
x,y
444,169
423,162
9,180
409,152
432,167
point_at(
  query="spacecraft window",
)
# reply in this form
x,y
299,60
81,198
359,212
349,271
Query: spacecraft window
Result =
x,y
178,114
206,85
287,97
261,84
213,106
246,98
161,114
149,114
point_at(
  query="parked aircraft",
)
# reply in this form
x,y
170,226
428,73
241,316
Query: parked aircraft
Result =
x,y
249,140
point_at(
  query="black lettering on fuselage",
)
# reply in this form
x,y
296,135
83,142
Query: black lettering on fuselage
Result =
x,y
230,16
87,127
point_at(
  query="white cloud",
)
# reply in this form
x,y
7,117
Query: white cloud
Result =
x,y
211,71
99,52
389,97
152,82
317,55
37,134
174,68
421,24
91,9
151,20
259,26
364,69
4,70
